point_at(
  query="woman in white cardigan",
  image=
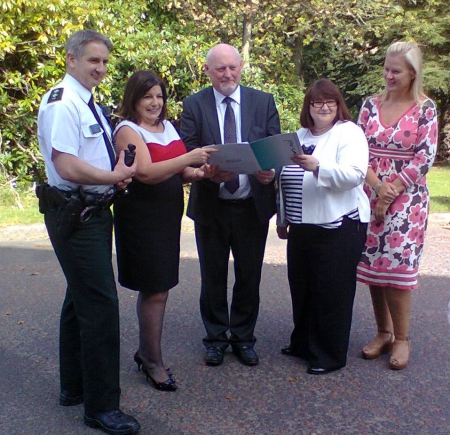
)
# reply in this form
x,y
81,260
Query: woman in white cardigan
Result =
x,y
323,213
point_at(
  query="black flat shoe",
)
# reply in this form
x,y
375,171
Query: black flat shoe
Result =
x,y
70,399
246,355
321,370
214,356
112,422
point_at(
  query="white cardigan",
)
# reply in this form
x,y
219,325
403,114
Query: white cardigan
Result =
x,y
343,154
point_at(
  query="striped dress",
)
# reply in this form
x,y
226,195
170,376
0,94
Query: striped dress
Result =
x,y
404,149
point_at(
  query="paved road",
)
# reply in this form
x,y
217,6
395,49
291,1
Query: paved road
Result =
x,y
275,397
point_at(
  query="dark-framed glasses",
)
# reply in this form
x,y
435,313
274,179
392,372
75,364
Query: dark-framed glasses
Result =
x,y
320,104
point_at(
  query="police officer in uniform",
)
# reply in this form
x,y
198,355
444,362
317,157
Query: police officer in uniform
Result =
x,y
74,138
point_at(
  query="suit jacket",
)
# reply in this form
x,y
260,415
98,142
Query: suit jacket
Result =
x,y
200,127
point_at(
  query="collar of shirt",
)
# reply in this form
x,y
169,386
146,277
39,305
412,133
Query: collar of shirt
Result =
x,y
77,87
236,105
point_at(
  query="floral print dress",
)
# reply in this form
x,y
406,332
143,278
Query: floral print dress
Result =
x,y
404,150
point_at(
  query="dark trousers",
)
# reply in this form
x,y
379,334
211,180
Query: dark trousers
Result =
x,y
236,227
89,326
322,278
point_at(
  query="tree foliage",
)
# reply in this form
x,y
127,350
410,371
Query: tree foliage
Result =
x,y
285,44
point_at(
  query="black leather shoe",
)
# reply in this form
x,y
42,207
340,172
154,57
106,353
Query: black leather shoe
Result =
x,y
290,351
321,370
69,399
246,355
112,422
214,356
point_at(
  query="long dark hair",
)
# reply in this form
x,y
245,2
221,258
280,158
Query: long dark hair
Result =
x,y
137,86
323,89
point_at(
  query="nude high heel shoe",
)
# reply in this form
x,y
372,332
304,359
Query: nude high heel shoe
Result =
x,y
396,363
372,351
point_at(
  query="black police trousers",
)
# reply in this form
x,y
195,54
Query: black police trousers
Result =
x,y
89,325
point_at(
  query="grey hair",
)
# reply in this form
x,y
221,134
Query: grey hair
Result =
x,y
76,42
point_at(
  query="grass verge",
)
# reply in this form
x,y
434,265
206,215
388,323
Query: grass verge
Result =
x,y
19,206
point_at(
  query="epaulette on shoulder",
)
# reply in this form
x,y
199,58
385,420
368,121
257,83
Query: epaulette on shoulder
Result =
x,y
55,95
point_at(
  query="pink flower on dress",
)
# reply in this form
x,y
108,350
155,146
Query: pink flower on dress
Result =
x,y
420,157
382,263
414,234
371,241
390,178
395,240
414,216
424,197
376,227
420,236
398,204
384,136
422,132
422,218
363,116
406,253
373,165
385,165
433,133
406,133
429,114
372,127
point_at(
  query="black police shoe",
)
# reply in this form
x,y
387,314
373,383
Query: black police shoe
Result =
x,y
112,422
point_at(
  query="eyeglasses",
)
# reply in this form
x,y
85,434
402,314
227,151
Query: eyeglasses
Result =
x,y
320,104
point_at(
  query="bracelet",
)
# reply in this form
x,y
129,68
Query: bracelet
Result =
x,y
377,187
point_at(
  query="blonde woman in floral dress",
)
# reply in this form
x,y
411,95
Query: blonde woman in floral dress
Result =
x,y
401,128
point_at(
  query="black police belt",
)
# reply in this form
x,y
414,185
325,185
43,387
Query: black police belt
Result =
x,y
88,202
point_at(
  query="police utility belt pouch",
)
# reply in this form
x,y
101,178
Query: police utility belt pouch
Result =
x,y
68,214
41,193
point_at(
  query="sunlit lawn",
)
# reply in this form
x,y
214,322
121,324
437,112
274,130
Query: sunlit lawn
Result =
x,y
439,185
20,207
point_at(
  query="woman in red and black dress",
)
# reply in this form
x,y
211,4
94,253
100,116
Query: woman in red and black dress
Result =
x,y
148,219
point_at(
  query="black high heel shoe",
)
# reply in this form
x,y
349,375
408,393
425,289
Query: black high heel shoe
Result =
x,y
167,385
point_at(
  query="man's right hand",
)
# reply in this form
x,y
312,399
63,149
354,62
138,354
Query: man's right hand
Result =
x,y
282,232
222,176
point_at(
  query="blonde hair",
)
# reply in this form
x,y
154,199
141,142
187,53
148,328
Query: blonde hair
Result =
x,y
413,56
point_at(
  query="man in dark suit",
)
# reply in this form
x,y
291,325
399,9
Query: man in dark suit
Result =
x,y
231,211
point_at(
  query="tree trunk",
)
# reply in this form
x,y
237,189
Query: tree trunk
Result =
x,y
249,14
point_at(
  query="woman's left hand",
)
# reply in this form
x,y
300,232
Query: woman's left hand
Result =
x,y
307,162
380,209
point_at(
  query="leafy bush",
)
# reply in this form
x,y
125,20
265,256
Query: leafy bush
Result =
x,y
287,45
